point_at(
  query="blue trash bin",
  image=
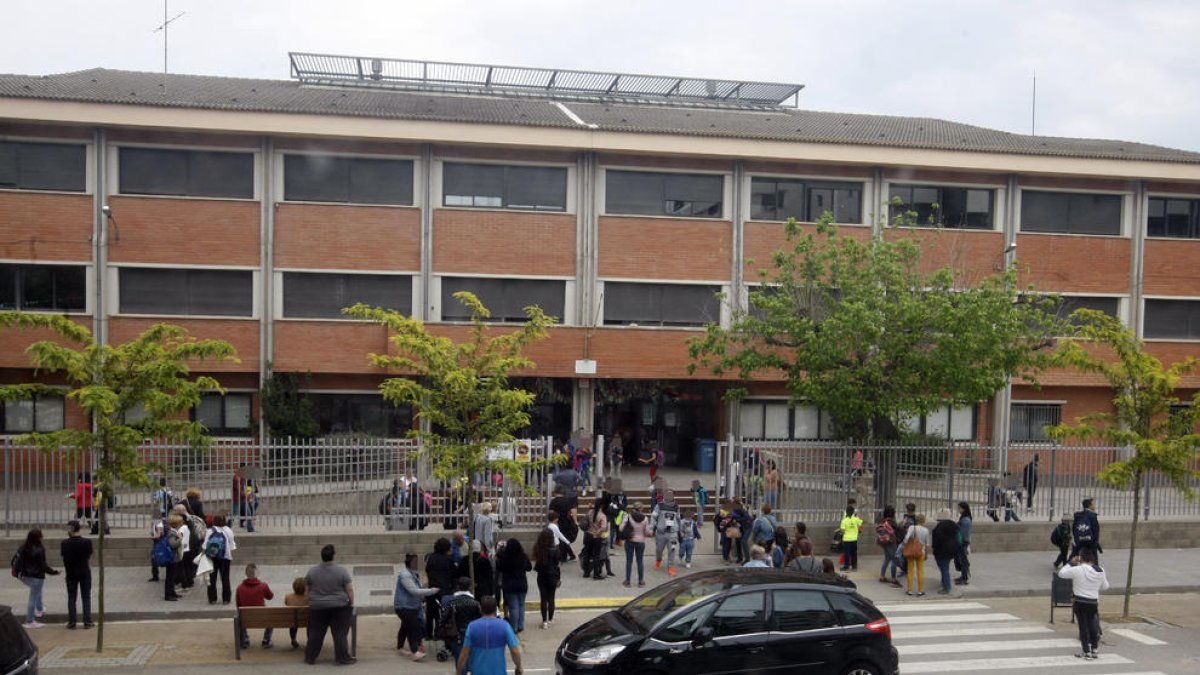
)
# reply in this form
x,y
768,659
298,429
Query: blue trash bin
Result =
x,y
706,455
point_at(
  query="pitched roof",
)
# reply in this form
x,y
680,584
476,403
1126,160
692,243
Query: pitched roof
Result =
x,y
100,85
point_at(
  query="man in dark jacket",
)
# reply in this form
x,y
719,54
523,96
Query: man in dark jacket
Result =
x,y
462,608
1085,530
1029,478
76,555
945,546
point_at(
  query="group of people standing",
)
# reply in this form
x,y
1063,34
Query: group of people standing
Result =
x,y
907,542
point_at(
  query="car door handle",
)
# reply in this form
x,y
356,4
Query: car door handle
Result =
x,y
754,650
829,643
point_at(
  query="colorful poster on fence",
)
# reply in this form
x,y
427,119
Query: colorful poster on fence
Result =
x,y
524,451
498,452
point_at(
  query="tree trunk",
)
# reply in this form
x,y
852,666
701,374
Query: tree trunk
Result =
x,y
1137,507
103,515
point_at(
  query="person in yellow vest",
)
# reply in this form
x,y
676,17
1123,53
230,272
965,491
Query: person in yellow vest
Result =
x,y
851,527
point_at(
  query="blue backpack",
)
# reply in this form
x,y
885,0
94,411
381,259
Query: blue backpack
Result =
x,y
163,555
215,548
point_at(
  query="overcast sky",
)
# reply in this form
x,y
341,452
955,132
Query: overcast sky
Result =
x,y
1127,70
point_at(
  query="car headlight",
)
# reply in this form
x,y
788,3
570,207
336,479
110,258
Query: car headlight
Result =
x,y
599,655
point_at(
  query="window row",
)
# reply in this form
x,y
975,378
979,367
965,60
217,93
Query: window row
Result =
x,y
776,420
43,288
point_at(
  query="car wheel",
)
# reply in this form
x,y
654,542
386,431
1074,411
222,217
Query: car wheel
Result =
x,y
862,668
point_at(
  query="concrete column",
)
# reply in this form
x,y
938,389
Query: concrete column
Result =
x,y
1137,237
266,318
100,236
428,201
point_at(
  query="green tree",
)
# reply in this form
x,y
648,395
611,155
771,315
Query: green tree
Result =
x,y
1142,420
149,373
859,330
286,409
460,391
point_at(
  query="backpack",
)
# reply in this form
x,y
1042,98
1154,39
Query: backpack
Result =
x,y
668,521
1082,528
884,534
215,548
701,496
17,565
163,553
447,625
1061,535
196,532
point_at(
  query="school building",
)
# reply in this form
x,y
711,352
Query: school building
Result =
x,y
254,210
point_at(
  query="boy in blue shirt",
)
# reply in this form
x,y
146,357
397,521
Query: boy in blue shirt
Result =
x,y
483,646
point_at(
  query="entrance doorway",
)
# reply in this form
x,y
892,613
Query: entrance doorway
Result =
x,y
672,413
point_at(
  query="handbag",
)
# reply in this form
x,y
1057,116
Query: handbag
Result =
x,y
733,532
913,548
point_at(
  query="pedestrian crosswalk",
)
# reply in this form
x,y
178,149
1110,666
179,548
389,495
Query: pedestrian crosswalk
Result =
x,y
971,637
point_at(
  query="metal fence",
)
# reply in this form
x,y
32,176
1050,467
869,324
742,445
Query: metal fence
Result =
x,y
322,483
1042,482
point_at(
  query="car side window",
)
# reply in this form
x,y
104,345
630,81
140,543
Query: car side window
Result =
x,y
801,610
681,629
740,614
850,610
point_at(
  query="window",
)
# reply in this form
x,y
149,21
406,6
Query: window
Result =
x,y
1070,213
187,173
1172,319
949,207
43,166
1179,218
851,611
42,413
664,194
506,299
322,296
773,420
145,290
1026,421
354,180
681,629
493,186
636,304
795,611
806,201
367,414
740,614
955,424
43,288
227,415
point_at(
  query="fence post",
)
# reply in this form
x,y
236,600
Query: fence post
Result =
x,y
8,472
291,481
1053,477
950,478
1146,498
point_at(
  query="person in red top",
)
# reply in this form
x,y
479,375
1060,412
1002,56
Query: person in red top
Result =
x,y
254,592
83,497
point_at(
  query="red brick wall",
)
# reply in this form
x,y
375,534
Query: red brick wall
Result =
x,y
760,240
665,248
327,346
1065,263
973,253
503,242
242,334
1172,267
37,226
347,237
185,231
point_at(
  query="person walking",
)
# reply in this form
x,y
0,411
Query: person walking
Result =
x,y
916,546
560,539
407,602
850,526
76,556
514,565
665,523
598,539
945,546
962,561
771,483
484,644
250,503
254,592
330,608
440,572
458,611
546,560
615,453
887,541
634,531
483,529
689,532
1029,479
219,545
1061,537
1088,579
83,497
1085,530
32,570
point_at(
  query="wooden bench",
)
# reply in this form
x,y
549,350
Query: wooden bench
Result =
x,y
248,618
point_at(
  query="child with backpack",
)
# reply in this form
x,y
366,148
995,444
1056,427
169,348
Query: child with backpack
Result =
x,y
219,546
1061,537
254,592
689,532
700,498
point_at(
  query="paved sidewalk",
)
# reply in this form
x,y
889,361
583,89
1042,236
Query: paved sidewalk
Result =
x,y
130,597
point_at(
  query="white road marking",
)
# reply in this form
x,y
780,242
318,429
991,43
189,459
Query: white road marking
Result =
x,y
976,665
965,618
929,606
1136,636
997,629
978,647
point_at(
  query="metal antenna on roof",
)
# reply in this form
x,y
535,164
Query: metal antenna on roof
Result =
x,y
166,22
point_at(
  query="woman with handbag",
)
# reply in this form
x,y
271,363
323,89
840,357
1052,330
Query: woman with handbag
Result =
x,y
915,546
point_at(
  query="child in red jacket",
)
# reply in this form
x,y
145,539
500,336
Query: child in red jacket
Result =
x,y
254,592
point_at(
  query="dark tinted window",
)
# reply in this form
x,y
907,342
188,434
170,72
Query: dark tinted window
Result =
x,y
43,166
806,201
57,288
355,180
1070,303
801,610
664,194
318,295
534,188
186,292
190,173
1178,218
682,627
1172,319
938,206
852,610
660,304
42,413
506,299
1070,213
739,614
1026,420
367,414
227,415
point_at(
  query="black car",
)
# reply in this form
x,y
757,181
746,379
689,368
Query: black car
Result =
x,y
739,620
18,654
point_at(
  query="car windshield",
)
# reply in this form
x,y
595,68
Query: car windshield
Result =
x,y
648,609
